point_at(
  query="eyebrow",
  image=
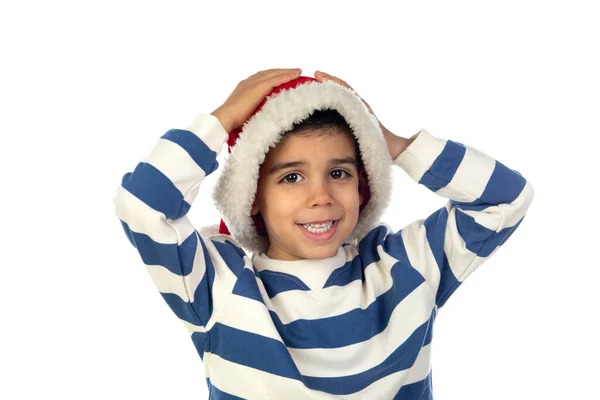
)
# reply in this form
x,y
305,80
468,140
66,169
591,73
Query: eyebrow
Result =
x,y
291,164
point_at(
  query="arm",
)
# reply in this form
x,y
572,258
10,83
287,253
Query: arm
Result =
x,y
487,201
152,202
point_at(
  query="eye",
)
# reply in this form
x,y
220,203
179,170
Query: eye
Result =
x,y
339,174
291,178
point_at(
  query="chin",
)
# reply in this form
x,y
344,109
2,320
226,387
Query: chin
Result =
x,y
318,253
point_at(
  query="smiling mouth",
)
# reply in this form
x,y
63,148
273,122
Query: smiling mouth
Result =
x,y
320,222
321,230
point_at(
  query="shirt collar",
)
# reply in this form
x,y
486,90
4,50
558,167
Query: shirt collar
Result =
x,y
314,272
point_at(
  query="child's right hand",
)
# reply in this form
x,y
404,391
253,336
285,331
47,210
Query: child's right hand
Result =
x,y
249,93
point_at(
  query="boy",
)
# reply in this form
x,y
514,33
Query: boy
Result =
x,y
331,303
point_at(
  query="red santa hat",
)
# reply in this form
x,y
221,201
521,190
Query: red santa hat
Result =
x,y
285,106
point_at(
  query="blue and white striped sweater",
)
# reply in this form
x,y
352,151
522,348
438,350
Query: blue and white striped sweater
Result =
x,y
355,326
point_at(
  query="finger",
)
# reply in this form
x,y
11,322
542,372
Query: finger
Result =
x,y
322,76
269,73
326,76
329,76
265,74
277,79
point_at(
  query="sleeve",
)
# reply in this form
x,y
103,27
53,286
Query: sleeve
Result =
x,y
194,275
487,201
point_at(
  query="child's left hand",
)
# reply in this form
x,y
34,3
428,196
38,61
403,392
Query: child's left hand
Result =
x,y
396,144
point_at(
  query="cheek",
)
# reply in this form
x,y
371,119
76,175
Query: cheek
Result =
x,y
282,203
348,196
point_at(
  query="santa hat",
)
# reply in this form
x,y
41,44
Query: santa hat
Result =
x,y
285,106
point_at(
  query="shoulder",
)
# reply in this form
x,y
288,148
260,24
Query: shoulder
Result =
x,y
211,234
232,245
370,245
376,236
223,247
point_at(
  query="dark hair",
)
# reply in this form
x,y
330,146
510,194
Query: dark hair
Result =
x,y
327,118
328,121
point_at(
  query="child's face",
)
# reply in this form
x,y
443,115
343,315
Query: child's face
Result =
x,y
320,186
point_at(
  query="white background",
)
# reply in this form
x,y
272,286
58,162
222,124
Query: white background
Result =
x,y
88,87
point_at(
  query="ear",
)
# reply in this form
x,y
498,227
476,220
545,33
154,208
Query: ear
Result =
x,y
363,188
257,196
254,210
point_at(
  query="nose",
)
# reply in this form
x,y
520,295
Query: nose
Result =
x,y
320,194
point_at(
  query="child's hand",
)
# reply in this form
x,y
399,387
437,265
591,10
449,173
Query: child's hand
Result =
x,y
322,76
396,144
249,93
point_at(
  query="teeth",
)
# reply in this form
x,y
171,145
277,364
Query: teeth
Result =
x,y
318,228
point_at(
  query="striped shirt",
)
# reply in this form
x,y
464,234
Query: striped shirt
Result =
x,y
357,325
